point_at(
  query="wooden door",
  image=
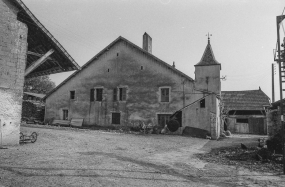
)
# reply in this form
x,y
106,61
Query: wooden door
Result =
x,y
256,126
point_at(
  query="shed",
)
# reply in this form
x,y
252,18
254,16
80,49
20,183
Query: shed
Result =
x,y
246,111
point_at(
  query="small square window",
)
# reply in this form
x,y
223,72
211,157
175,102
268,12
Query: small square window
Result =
x,y
164,93
99,94
202,103
116,118
72,94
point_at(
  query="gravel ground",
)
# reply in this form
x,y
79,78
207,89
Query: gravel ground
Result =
x,y
78,157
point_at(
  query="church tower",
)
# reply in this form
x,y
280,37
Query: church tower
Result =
x,y
207,72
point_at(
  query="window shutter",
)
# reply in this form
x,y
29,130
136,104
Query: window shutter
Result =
x,y
92,94
124,94
115,94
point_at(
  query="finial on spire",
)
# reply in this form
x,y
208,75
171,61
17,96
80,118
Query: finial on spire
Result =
x,y
209,37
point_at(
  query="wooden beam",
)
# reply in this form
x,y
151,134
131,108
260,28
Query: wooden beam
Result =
x,y
37,54
36,64
45,72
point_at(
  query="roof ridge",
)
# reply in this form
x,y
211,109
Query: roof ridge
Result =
x,y
242,91
107,48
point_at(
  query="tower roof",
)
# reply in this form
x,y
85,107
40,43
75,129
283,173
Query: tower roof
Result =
x,y
208,57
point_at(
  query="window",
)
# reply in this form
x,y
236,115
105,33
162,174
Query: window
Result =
x,y
115,94
122,94
164,93
116,118
92,94
242,120
141,67
202,103
65,114
72,94
163,119
99,94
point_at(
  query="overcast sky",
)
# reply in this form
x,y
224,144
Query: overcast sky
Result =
x,y
243,33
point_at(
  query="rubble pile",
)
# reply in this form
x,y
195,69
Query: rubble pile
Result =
x,y
252,158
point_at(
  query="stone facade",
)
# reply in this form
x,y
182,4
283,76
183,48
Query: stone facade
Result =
x,y
121,66
13,50
132,84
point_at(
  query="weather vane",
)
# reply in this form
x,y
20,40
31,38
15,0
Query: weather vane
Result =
x,y
209,36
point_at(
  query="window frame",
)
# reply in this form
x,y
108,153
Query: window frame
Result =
x,y
161,96
97,96
121,94
95,93
63,114
113,117
70,94
202,103
164,115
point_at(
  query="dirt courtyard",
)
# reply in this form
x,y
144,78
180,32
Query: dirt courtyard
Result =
x,y
77,157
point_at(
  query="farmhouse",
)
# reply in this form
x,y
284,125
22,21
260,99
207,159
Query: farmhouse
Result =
x,y
27,49
246,111
125,85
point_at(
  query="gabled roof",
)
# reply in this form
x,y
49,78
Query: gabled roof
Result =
x,y
120,38
245,100
208,57
40,41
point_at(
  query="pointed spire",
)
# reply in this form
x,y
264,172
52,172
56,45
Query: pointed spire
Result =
x,y
208,57
209,38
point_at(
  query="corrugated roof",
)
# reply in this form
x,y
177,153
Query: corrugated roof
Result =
x,y
120,38
208,57
245,100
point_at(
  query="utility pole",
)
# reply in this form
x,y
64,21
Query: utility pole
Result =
x,y
279,19
273,97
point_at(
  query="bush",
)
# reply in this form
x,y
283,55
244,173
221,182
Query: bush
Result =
x,y
274,144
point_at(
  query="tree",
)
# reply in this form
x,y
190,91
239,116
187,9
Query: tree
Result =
x,y
41,84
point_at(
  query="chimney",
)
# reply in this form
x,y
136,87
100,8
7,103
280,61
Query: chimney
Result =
x,y
173,65
147,43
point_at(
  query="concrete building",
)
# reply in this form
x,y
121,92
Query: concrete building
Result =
x,y
125,85
27,49
246,111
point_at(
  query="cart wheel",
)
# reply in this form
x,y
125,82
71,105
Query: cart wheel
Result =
x,y
34,137
21,137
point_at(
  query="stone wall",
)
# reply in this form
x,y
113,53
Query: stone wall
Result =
x,y
13,50
273,120
121,66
